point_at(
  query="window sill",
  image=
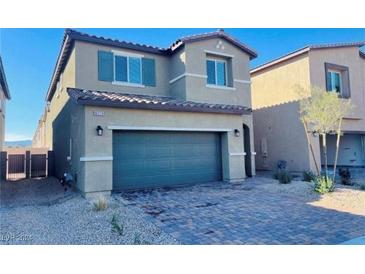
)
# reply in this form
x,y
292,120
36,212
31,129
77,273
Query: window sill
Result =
x,y
128,84
220,87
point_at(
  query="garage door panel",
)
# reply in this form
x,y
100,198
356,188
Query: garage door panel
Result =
x,y
154,152
160,159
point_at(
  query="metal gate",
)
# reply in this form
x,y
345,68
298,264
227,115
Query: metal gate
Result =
x,y
16,166
25,164
38,164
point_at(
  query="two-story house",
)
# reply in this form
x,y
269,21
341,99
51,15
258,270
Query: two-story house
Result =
x,y
4,95
122,115
279,133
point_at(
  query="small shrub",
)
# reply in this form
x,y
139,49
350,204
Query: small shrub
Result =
x,y
100,204
345,176
323,185
137,239
116,227
308,176
281,164
283,176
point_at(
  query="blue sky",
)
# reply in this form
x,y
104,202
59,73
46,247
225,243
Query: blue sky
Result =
x,y
29,57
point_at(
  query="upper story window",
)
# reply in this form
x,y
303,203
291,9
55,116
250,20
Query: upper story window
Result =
x,y
128,69
337,79
334,81
217,72
122,68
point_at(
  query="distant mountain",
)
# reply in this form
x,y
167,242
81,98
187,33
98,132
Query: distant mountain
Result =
x,y
22,143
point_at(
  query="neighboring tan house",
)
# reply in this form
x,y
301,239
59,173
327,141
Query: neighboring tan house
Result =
x,y
122,115
4,95
279,134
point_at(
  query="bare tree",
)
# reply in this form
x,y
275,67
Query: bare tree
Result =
x,y
322,112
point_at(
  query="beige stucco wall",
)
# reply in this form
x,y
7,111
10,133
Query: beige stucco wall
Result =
x,y
279,84
279,126
60,98
279,133
196,87
39,138
98,174
350,58
87,71
276,110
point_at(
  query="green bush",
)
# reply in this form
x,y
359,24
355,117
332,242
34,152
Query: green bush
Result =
x,y
283,176
323,185
116,227
308,176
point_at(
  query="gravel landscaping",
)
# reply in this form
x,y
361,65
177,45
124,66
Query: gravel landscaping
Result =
x,y
345,198
75,221
256,211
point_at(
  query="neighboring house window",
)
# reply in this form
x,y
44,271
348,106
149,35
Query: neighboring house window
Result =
x,y
125,69
334,81
216,72
338,79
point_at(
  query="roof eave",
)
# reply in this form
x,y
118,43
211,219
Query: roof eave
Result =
x,y
239,45
302,51
3,82
280,60
145,106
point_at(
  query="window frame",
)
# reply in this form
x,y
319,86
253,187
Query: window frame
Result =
x,y
215,72
344,73
340,78
127,55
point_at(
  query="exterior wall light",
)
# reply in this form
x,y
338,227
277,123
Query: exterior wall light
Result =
x,y
99,130
236,133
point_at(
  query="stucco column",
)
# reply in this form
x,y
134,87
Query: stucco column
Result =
x,y
233,157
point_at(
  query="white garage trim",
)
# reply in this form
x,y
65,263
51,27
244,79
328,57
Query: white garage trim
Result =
x,y
238,154
96,158
170,129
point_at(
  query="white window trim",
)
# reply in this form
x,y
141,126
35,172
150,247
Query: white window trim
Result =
x,y
127,84
340,74
219,53
215,67
127,55
220,87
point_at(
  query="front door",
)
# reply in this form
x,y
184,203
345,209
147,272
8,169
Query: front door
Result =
x,y
247,147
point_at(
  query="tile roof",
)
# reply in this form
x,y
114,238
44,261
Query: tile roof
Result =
x,y
72,35
215,34
3,83
305,50
134,101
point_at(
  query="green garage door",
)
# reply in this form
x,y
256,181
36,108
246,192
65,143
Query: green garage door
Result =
x,y
148,159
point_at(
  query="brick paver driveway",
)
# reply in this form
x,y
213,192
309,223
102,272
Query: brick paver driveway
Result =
x,y
219,213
